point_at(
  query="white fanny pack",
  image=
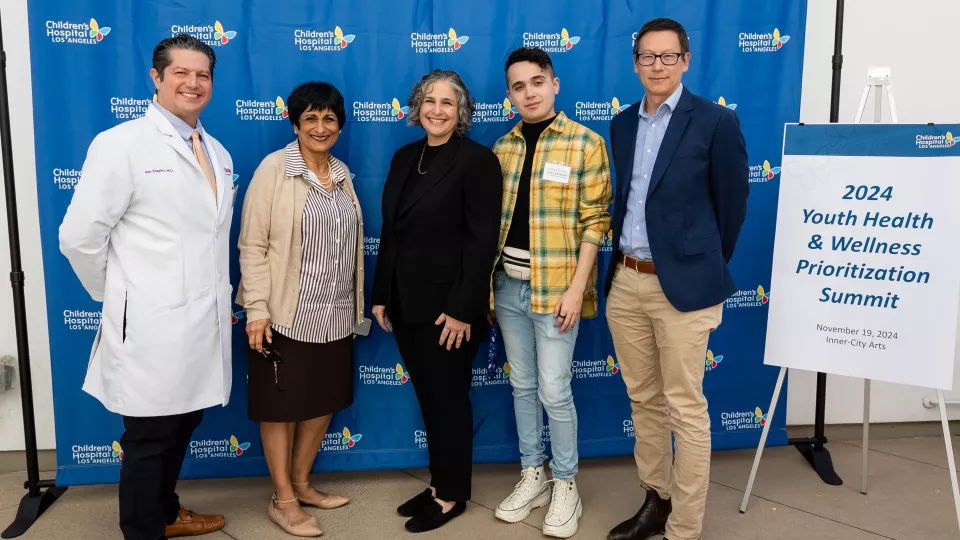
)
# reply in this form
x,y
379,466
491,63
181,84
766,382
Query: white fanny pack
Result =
x,y
516,263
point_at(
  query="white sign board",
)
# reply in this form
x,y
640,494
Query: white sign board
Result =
x,y
865,275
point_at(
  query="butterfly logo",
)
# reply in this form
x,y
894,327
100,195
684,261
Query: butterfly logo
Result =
x,y
397,110
506,370
237,315
762,296
236,447
220,35
234,179
401,375
348,439
713,361
723,103
342,40
769,172
117,450
615,107
281,109
759,417
612,365
454,41
508,109
566,41
779,40
97,31
950,140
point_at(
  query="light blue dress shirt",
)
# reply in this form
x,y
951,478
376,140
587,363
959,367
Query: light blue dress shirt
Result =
x,y
184,128
650,131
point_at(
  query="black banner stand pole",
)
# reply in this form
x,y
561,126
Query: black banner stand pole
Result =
x,y
813,448
35,502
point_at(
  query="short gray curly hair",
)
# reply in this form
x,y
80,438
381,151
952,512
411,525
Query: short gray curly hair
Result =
x,y
465,104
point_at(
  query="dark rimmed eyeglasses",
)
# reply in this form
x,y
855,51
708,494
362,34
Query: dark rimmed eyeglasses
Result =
x,y
668,59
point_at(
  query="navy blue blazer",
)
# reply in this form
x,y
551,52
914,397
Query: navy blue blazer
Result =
x,y
696,203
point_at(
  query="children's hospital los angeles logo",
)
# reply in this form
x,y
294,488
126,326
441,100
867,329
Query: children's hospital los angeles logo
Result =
x,y
86,33
748,298
92,454
551,42
425,42
128,108
763,173
257,110
752,42
395,376
376,111
322,40
494,112
937,141
81,320
743,420
218,448
215,36
66,178
338,442
599,111
591,369
712,361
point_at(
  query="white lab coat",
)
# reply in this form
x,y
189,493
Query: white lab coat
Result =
x,y
146,237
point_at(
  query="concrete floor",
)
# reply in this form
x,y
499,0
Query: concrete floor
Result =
x,y
910,498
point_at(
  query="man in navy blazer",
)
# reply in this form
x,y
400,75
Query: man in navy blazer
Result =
x,y
681,199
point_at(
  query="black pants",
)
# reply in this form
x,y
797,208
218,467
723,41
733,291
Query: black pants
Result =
x,y
441,380
153,452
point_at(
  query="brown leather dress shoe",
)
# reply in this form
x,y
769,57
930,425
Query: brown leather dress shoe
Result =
x,y
190,524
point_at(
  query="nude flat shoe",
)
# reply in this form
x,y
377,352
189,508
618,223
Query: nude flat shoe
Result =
x,y
328,502
311,527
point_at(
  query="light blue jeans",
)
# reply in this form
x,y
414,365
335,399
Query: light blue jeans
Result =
x,y
541,362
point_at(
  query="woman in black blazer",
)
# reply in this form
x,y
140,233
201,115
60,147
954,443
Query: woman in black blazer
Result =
x,y
438,245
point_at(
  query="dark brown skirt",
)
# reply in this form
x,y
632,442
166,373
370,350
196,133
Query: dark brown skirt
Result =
x,y
315,379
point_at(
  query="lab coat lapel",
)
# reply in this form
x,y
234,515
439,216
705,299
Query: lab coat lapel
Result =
x,y
175,141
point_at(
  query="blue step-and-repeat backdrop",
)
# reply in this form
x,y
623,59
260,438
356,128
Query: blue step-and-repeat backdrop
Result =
x,y
91,60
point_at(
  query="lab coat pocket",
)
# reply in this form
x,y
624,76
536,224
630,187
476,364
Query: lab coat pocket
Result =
x,y
225,304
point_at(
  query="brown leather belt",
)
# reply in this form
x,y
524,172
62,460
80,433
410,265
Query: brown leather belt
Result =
x,y
639,266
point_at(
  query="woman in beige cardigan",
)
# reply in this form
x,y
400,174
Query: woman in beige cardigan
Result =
x,y
301,260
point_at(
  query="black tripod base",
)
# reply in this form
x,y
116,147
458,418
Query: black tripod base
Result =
x,y
31,508
819,458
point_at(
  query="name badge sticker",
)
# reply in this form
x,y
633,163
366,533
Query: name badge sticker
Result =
x,y
556,172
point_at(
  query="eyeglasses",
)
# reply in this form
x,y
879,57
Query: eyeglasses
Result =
x,y
668,59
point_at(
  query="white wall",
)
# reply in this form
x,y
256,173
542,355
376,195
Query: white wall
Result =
x,y
916,41
16,46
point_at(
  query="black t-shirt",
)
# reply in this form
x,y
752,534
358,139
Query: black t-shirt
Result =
x,y
429,154
519,234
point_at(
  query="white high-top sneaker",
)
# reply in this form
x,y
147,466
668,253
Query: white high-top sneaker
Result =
x,y
532,491
563,516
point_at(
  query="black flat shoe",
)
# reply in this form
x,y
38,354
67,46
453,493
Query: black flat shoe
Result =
x,y
433,517
415,505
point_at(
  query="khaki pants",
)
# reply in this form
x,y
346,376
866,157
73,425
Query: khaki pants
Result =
x,y
662,353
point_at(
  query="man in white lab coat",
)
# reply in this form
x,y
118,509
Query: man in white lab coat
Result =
x,y
147,232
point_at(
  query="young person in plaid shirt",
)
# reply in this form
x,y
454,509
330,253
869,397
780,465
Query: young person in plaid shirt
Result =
x,y
556,198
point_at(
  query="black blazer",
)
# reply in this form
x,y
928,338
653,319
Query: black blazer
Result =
x,y
440,243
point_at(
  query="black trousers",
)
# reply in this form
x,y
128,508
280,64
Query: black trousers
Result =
x,y
441,380
153,452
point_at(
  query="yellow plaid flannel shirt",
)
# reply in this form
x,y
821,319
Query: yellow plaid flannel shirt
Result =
x,y
562,215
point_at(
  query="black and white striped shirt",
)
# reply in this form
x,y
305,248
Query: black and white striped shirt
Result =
x,y
328,251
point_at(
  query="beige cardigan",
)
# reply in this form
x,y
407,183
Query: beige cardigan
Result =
x,y
270,239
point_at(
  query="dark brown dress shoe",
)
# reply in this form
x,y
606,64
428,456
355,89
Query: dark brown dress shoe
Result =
x,y
190,524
